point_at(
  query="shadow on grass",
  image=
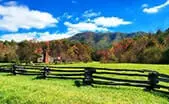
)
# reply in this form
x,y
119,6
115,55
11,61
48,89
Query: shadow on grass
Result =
x,y
7,74
160,94
38,78
155,93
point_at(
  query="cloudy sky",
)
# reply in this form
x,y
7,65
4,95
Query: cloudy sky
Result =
x,y
56,19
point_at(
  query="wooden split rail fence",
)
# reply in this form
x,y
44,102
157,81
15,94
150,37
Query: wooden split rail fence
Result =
x,y
148,79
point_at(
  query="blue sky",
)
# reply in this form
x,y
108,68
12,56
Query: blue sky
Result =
x,y
56,19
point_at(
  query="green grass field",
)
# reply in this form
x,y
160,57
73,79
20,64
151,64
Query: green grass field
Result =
x,y
28,90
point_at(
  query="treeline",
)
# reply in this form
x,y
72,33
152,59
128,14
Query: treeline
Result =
x,y
30,51
148,48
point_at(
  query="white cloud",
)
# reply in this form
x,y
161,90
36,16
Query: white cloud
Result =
x,y
67,15
77,18
40,36
11,3
18,36
155,9
90,13
14,17
21,17
110,21
83,26
46,36
144,5
100,24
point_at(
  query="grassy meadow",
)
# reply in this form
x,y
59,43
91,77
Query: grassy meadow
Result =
x,y
28,90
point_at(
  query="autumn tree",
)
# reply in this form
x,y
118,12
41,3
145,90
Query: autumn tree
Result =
x,y
26,51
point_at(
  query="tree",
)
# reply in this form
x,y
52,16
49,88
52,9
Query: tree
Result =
x,y
121,47
106,56
8,52
165,57
26,51
152,55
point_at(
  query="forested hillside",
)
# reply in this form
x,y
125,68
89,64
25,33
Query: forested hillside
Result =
x,y
102,40
136,47
152,48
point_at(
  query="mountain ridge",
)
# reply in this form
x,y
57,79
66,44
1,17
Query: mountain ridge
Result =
x,y
102,40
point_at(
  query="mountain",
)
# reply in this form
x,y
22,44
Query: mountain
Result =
x,y
102,40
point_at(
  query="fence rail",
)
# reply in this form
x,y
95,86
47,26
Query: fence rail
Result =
x,y
119,84
127,74
148,79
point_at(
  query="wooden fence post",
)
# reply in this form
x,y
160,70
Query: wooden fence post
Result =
x,y
153,80
14,69
45,72
88,76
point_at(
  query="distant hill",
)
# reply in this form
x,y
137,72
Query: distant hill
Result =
x,y
102,40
